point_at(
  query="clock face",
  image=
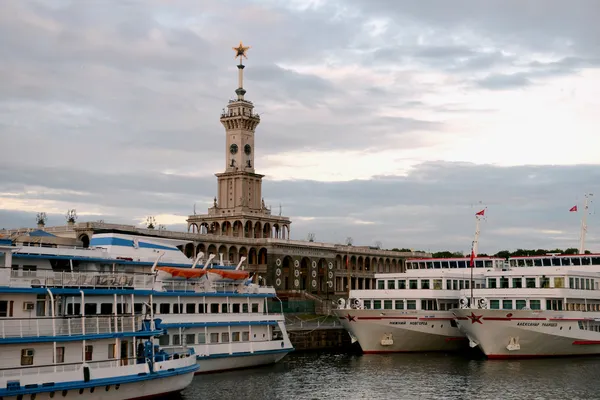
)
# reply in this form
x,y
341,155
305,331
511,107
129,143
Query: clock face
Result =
x,y
233,148
247,149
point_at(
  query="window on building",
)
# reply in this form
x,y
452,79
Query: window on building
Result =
x,y
89,351
60,355
214,337
27,356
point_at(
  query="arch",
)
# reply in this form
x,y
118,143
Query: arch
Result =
x,y
243,252
232,256
305,277
252,256
267,230
248,231
262,256
360,263
338,261
189,250
204,228
201,248
288,272
380,264
226,228
367,263
257,232
222,250
212,249
394,265
85,240
275,231
322,276
345,263
353,263
215,228
193,227
387,265
238,228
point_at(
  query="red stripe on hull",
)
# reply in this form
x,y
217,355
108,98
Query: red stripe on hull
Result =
x,y
586,342
512,319
436,319
378,318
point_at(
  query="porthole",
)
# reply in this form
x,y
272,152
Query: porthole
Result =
x,y
81,391
107,388
117,386
64,393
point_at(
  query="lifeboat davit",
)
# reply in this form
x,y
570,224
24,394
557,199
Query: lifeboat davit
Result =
x,y
187,273
227,275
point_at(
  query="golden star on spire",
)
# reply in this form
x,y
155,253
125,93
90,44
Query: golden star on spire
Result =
x,y
240,51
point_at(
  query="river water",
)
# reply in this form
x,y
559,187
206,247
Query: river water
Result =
x,y
404,376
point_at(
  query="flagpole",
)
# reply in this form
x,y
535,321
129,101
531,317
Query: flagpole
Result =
x,y
584,224
472,265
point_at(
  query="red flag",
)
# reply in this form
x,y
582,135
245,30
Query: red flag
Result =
x,y
472,261
482,212
574,208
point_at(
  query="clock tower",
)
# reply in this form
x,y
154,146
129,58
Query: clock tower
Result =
x,y
239,195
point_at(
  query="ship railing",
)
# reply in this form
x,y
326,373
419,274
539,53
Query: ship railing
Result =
x,y
200,286
67,326
62,279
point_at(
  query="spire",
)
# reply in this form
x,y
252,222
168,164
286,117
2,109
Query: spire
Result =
x,y
240,52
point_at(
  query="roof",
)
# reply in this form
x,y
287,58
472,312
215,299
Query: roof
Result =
x,y
39,232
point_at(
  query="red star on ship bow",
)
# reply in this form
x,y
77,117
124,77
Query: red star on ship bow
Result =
x,y
350,318
475,318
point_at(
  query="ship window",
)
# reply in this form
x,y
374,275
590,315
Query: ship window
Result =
x,y
537,262
106,308
517,283
163,340
111,351
391,284
201,308
90,308
380,284
89,351
576,261
190,308
224,307
376,304
27,356
595,261
165,308
245,336
544,282
401,284
60,355
214,337
429,305
399,304
214,308
448,284
3,308
504,283
176,339
235,336
571,283
245,308
491,283
455,284
29,270
461,284
530,282
535,304
225,337
587,284
412,284
235,308
254,307
367,304
387,304
424,283
453,264
201,338
411,304
507,304
495,304
437,284
467,285
559,282
176,308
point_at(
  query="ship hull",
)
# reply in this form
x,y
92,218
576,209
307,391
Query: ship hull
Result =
x,y
209,364
502,334
411,331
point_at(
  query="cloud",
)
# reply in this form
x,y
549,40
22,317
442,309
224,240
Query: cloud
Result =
x,y
383,120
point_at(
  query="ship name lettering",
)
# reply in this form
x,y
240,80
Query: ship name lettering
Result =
x,y
418,323
549,324
528,323
398,323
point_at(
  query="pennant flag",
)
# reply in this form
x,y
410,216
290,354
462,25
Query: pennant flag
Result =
x,y
472,261
482,212
574,208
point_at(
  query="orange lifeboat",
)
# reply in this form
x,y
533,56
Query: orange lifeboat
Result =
x,y
228,275
187,273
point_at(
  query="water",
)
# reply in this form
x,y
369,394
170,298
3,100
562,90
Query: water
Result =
x,y
403,376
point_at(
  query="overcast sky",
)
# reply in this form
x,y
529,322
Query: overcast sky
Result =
x,y
391,121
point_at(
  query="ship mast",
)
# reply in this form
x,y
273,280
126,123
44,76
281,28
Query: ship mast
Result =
x,y
584,223
478,217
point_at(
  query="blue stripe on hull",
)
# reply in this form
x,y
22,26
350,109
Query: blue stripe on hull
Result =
x,y
245,354
73,385
114,241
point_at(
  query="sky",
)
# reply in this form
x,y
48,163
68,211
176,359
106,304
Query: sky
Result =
x,y
384,121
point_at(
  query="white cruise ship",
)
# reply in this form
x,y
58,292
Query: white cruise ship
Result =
x,y
48,352
410,312
213,309
536,312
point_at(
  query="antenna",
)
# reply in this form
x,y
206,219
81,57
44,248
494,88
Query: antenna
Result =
x,y
583,223
279,209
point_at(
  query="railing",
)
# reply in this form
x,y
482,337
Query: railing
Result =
x,y
67,326
63,279
176,285
322,322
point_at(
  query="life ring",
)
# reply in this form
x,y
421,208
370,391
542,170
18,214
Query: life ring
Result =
x,y
314,274
314,264
296,273
278,272
278,262
278,282
296,263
